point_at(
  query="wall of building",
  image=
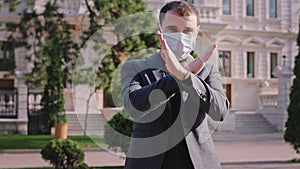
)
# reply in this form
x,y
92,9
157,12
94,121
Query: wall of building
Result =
x,y
236,32
260,34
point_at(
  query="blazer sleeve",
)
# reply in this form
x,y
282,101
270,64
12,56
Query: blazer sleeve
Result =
x,y
140,99
208,87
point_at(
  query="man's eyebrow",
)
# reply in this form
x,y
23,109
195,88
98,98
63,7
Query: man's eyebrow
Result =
x,y
171,27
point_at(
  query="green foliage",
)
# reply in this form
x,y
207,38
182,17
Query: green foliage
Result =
x,y
129,38
64,154
295,160
53,55
13,4
12,142
109,102
292,133
114,9
130,41
114,132
30,33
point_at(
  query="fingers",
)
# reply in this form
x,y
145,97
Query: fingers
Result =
x,y
161,40
198,63
208,52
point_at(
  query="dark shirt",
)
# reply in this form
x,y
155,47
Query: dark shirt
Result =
x,y
178,157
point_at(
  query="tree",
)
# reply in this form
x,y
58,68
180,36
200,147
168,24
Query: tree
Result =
x,y
107,11
47,37
292,132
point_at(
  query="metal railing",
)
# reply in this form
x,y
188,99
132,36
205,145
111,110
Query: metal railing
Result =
x,y
9,103
34,101
34,98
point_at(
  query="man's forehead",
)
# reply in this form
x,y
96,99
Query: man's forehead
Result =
x,y
173,19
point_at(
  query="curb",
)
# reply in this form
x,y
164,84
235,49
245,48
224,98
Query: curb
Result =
x,y
24,151
241,163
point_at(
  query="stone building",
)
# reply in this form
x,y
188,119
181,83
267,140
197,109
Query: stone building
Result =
x,y
18,104
252,36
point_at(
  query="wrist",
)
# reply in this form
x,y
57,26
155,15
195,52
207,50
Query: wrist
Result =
x,y
184,75
187,75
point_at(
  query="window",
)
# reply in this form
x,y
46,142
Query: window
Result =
x,y
250,64
226,7
6,62
190,1
273,63
250,7
225,59
273,8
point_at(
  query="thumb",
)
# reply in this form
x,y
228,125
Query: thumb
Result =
x,y
163,54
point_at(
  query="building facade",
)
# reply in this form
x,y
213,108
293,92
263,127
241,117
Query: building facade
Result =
x,y
18,104
252,36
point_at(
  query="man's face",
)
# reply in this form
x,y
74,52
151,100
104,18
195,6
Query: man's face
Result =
x,y
172,22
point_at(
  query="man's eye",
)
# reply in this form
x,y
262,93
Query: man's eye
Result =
x,y
188,31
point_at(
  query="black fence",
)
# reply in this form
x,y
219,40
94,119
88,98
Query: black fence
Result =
x,y
9,103
34,97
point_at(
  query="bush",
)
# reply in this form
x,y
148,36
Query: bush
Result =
x,y
114,139
64,154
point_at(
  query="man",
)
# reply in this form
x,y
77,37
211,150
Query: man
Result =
x,y
171,98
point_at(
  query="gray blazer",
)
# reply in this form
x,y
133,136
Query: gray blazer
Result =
x,y
167,111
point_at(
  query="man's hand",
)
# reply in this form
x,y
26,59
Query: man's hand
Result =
x,y
172,64
196,66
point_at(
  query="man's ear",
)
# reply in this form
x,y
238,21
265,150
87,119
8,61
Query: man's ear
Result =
x,y
159,28
198,30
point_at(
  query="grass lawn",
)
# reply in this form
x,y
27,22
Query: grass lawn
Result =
x,y
13,142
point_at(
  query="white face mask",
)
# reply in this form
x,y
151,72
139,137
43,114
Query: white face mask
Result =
x,y
181,44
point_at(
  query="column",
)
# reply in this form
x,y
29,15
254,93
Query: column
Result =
x,y
22,104
284,74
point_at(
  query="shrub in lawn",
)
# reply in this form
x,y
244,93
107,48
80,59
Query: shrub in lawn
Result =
x,y
64,154
114,132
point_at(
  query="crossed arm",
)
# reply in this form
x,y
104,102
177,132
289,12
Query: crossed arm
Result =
x,y
203,81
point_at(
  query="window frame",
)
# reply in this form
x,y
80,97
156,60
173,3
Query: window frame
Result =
x,y
272,54
5,62
252,66
190,1
253,8
229,5
223,59
276,9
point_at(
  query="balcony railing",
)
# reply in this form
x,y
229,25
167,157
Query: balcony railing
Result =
x,y
208,13
9,103
34,101
268,101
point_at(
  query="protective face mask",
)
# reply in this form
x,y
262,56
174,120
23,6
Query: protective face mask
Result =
x,y
181,44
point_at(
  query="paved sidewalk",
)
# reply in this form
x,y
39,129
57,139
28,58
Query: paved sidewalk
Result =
x,y
254,151
236,151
